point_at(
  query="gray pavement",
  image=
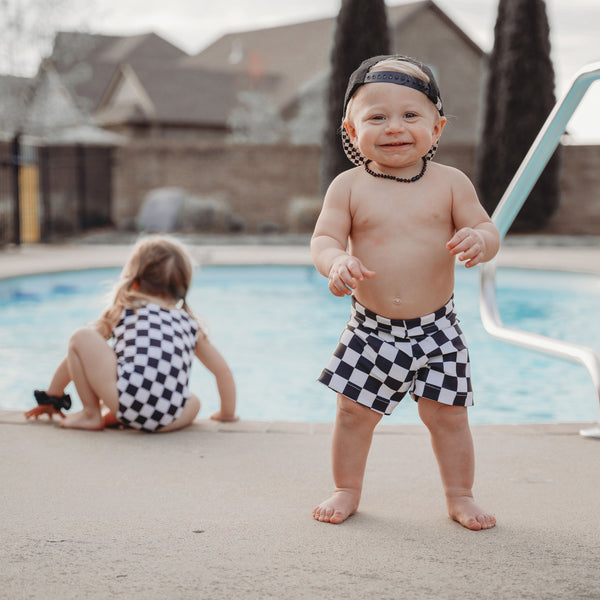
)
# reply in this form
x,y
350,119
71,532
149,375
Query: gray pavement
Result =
x,y
222,511
225,513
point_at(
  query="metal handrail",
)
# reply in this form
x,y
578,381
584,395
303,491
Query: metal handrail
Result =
x,y
511,202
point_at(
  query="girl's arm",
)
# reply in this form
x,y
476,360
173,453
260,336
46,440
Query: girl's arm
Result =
x,y
60,380
212,359
58,383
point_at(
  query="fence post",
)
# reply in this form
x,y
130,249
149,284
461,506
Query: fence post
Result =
x,y
44,167
16,168
81,187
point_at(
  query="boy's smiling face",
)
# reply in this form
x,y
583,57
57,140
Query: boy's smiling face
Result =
x,y
393,125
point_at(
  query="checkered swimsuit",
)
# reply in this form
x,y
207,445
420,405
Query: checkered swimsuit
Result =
x,y
155,349
378,360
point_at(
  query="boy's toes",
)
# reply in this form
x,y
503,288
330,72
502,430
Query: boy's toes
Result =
x,y
486,521
337,508
471,523
323,514
469,515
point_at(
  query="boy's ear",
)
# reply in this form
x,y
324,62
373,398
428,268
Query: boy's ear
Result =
x,y
351,130
439,127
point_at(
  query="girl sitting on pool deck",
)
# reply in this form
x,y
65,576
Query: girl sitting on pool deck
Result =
x,y
143,379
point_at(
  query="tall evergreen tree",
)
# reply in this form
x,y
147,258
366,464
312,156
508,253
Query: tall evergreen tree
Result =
x,y
361,31
519,97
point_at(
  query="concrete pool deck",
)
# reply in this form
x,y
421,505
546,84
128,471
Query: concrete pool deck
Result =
x,y
221,511
515,252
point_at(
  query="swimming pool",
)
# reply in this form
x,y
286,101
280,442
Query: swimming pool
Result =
x,y
277,327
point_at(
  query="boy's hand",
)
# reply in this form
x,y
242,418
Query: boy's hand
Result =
x,y
345,273
469,244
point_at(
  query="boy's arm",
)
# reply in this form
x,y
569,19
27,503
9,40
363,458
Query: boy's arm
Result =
x,y
212,359
477,239
330,240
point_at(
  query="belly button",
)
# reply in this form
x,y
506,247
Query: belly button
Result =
x,y
397,301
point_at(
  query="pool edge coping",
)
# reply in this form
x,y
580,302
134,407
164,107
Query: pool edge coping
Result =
x,y
35,259
204,425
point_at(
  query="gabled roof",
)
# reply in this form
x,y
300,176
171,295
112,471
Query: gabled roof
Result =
x,y
297,53
87,62
42,108
145,78
397,17
170,94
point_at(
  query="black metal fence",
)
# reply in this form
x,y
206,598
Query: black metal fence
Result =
x,y
9,191
49,192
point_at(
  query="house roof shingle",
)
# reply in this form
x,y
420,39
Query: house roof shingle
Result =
x,y
176,88
275,49
177,95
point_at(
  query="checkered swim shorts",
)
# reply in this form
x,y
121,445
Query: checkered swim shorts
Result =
x,y
378,360
155,349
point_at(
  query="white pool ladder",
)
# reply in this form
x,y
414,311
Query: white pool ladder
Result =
x,y
511,202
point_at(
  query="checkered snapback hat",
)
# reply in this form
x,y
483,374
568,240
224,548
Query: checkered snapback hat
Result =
x,y
362,75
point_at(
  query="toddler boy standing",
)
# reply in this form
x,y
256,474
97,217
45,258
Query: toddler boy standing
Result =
x,y
388,234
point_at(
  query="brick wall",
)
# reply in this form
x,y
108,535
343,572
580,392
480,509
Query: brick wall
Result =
x,y
579,210
257,182
260,182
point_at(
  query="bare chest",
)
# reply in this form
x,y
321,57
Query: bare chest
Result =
x,y
402,211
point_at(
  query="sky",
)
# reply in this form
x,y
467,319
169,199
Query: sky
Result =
x,y
194,24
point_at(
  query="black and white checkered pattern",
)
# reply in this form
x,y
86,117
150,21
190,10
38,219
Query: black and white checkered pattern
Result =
x,y
354,155
378,360
155,349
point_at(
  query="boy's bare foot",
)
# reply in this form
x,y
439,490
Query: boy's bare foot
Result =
x,y
468,514
336,509
80,420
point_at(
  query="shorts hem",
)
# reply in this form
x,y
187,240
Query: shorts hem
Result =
x,y
467,396
353,392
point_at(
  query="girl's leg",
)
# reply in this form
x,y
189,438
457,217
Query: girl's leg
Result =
x,y
352,435
453,447
93,368
190,410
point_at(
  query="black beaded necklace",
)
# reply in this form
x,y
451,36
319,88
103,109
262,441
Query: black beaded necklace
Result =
x,y
393,177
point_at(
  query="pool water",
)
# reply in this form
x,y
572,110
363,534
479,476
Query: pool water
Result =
x,y
277,327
